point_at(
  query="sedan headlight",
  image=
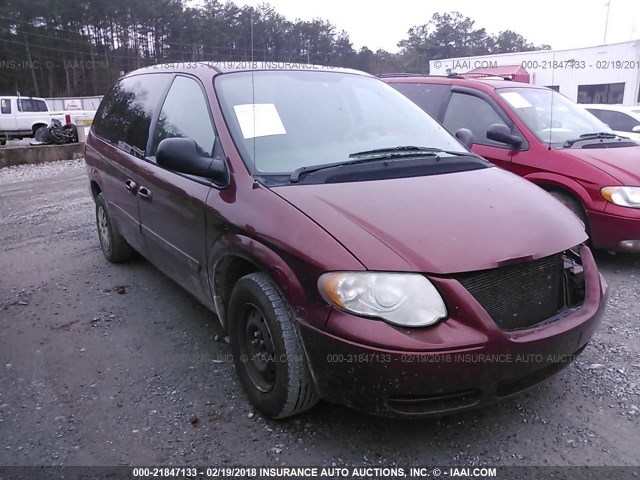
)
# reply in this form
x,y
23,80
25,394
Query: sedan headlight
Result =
x,y
405,299
623,196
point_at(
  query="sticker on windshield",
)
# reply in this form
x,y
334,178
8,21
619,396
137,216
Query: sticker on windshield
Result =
x,y
259,120
516,100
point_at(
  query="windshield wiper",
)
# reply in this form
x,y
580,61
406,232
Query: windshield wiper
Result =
x,y
393,153
406,151
295,175
590,136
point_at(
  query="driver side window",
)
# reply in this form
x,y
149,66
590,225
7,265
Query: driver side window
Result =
x,y
185,114
473,113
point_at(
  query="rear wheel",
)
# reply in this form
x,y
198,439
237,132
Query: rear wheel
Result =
x,y
36,127
267,349
114,247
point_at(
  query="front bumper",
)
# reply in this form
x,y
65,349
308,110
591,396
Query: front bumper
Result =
x,y
609,229
461,363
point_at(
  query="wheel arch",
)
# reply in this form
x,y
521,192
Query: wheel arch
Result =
x,y
550,181
234,256
95,189
36,125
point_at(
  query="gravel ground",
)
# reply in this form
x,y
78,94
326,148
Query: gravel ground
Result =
x,y
106,364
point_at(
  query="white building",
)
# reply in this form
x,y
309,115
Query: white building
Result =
x,y
602,74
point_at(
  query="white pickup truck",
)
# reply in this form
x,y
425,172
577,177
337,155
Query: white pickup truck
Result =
x,y
21,116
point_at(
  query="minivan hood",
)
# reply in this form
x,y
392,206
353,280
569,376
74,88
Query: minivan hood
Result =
x,y
622,163
441,224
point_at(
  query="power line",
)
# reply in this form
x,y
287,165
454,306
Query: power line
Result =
x,y
103,29
124,57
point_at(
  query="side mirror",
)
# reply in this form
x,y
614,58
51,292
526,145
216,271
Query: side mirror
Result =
x,y
182,155
636,129
465,136
501,133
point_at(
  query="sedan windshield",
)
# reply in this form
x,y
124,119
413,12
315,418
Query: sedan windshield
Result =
x,y
550,116
283,121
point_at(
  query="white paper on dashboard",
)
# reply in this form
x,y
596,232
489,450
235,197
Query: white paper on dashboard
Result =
x,y
259,120
516,100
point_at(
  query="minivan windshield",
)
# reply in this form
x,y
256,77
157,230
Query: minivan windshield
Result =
x,y
551,116
284,120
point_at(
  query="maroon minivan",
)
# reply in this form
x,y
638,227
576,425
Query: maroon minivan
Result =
x,y
353,249
543,136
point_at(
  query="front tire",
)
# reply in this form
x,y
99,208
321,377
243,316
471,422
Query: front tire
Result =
x,y
572,204
114,247
267,349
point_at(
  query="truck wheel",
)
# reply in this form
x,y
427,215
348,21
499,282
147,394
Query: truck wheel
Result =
x,y
114,247
40,135
3,142
267,349
35,128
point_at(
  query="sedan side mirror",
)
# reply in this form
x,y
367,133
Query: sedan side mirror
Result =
x,y
501,133
465,136
636,129
182,155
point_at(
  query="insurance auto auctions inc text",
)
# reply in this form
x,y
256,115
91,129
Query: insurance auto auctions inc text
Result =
x,y
375,472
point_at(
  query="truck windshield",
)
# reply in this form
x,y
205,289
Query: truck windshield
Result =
x,y
282,121
550,116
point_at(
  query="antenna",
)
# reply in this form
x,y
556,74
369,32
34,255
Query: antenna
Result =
x,y
253,96
606,22
553,73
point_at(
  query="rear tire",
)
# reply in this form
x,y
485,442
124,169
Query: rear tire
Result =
x,y
114,247
36,127
267,349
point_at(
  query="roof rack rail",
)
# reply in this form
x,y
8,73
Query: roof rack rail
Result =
x,y
484,75
401,74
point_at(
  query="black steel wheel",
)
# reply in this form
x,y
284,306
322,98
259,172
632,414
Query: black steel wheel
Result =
x,y
267,349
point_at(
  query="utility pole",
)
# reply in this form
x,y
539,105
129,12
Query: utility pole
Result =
x,y
606,23
31,66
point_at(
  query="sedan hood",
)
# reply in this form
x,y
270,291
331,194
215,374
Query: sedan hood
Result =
x,y
440,224
622,163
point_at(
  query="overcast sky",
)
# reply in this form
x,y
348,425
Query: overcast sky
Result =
x,y
559,23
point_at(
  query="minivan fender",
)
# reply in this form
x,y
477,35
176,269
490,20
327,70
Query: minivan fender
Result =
x,y
233,256
547,181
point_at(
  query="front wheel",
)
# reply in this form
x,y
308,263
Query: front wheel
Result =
x,y
267,349
572,204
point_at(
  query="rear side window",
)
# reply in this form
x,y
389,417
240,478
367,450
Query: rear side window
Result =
x,y
427,96
616,120
473,113
5,105
125,114
31,105
185,113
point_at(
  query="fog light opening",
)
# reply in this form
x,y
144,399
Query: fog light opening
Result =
x,y
630,245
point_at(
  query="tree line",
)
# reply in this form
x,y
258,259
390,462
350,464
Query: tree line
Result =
x,y
80,47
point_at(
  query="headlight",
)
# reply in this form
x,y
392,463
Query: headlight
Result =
x,y
405,299
623,196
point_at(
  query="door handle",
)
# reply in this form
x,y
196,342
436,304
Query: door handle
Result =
x,y
131,185
144,193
